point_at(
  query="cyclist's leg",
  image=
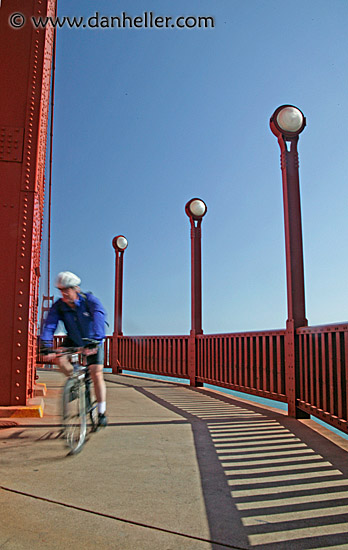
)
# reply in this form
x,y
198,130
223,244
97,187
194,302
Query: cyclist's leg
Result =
x,y
96,365
100,392
99,382
64,364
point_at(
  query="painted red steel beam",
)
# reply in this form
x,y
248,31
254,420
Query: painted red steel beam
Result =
x,y
324,416
319,329
25,66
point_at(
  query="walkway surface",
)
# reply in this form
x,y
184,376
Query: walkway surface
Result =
x,y
176,469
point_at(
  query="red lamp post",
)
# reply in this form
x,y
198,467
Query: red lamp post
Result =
x,y
286,123
195,209
120,244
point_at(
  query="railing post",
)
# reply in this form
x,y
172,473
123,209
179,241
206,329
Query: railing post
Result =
x,y
115,354
290,368
192,361
286,123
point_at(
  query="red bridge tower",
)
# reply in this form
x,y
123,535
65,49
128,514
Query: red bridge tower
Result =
x,y
25,69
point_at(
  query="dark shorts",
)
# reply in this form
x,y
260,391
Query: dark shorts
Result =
x,y
96,359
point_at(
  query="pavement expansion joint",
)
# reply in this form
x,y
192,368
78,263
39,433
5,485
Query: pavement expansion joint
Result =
x,y
123,520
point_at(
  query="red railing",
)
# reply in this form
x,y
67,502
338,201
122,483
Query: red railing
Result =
x,y
164,355
251,362
108,352
323,373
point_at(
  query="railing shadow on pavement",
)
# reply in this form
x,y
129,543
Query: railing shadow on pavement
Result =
x,y
268,481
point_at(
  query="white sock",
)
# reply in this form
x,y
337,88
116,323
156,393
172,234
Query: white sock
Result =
x,y
102,407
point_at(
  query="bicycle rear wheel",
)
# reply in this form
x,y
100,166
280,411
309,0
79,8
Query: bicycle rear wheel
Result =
x,y
74,414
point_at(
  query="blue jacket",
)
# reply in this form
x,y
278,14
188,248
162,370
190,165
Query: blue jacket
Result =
x,y
87,320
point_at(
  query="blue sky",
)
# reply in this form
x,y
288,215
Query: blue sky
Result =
x,y
146,119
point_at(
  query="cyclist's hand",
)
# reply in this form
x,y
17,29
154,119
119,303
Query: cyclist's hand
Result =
x,y
46,350
50,357
48,353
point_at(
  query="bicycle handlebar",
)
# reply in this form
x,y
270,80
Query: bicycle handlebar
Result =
x,y
90,344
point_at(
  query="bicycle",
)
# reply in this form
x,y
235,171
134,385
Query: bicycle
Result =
x,y
77,402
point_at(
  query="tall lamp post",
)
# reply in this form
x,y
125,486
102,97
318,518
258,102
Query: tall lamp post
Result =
x,y
196,210
120,244
286,123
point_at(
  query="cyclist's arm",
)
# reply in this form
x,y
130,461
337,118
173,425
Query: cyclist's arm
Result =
x,y
50,325
98,320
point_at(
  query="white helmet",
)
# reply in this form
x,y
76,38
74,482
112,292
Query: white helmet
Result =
x,y
66,279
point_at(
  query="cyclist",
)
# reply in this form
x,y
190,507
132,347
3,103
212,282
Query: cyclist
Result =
x,y
84,317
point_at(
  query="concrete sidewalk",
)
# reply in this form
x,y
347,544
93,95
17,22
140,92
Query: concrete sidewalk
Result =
x,y
176,469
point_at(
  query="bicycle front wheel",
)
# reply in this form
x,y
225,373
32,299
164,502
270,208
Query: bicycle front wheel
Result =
x,y
74,414
91,405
